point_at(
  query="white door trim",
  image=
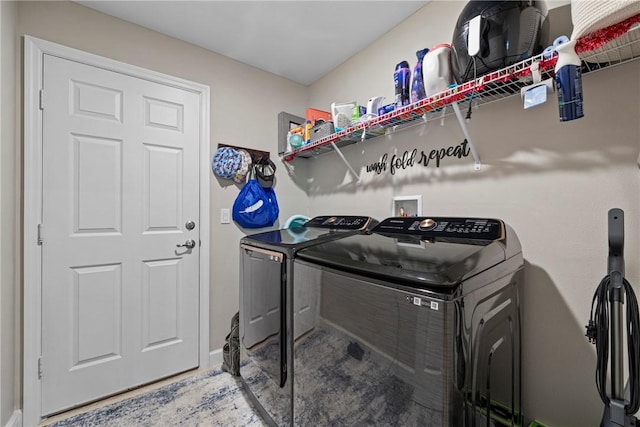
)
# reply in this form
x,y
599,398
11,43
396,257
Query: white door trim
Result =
x,y
34,50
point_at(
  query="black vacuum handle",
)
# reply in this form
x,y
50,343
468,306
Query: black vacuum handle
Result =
x,y
616,241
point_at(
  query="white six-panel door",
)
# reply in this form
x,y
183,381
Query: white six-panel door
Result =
x,y
120,181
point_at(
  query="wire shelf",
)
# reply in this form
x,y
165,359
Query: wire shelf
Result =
x,y
504,83
617,51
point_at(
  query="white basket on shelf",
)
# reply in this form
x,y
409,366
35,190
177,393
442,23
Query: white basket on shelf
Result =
x,y
588,16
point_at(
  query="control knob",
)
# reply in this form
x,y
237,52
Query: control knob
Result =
x,y
427,224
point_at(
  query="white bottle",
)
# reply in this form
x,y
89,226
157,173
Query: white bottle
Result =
x,y
436,69
373,104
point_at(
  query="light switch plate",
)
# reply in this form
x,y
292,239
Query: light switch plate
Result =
x,y
225,216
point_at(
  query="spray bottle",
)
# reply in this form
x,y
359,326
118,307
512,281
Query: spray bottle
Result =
x,y
568,80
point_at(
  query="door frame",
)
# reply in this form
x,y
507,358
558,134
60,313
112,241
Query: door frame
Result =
x,y
34,51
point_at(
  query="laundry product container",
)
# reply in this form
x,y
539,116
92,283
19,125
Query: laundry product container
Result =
x,y
436,69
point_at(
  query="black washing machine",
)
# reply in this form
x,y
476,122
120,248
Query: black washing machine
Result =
x,y
270,316
414,324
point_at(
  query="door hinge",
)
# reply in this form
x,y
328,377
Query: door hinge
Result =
x,y
39,368
42,99
39,236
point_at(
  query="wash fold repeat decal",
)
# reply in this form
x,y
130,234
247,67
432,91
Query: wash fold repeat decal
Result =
x,y
411,159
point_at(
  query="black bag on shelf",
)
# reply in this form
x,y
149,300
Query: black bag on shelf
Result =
x,y
509,32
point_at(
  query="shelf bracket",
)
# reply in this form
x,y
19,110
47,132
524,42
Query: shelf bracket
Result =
x,y
465,131
346,162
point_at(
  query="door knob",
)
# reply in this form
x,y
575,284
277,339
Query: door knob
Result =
x,y
190,244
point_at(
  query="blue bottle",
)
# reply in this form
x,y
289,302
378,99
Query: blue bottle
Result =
x,y
401,78
417,85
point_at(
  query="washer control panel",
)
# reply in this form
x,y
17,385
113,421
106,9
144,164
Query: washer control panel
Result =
x,y
463,228
340,222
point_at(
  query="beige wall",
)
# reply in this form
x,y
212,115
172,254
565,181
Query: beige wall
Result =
x,y
553,182
9,197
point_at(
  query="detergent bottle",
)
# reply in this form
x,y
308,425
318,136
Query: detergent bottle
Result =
x,y
402,77
417,85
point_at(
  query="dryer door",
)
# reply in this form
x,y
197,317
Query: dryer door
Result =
x,y
262,310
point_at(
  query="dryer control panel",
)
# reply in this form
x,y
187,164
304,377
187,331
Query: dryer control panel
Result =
x,y
441,227
341,222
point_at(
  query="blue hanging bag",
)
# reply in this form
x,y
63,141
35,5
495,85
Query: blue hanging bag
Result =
x,y
255,206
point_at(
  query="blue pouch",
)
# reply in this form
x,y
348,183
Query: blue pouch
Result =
x,y
255,206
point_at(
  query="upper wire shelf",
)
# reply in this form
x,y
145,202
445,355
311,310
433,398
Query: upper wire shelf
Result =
x,y
611,46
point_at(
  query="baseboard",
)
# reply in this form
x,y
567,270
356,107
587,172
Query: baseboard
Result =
x,y
215,358
16,419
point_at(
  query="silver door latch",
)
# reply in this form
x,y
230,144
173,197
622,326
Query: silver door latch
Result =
x,y
190,244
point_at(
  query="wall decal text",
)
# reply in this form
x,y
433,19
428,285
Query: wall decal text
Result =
x,y
411,158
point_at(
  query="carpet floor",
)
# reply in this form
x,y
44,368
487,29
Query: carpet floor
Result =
x,y
212,398
335,386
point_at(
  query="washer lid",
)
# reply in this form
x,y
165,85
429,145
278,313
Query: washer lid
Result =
x,y
418,258
317,229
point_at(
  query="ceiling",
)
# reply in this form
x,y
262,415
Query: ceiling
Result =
x,y
300,40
